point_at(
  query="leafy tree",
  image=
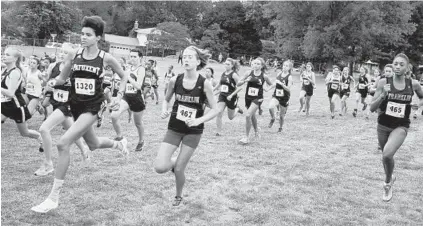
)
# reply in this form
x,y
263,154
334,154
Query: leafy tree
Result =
x,y
214,40
172,35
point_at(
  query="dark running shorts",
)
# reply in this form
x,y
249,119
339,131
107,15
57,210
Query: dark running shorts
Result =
x,y
175,138
231,104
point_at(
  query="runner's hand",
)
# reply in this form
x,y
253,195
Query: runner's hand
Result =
x,y
192,122
114,106
165,114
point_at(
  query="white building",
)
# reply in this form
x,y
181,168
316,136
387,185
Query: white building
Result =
x,y
121,45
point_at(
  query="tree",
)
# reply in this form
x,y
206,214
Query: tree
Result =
x,y
42,19
330,30
171,35
239,31
213,40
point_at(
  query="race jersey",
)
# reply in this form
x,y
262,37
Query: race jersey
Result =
x,y
255,86
334,82
304,81
395,109
168,76
17,101
346,83
227,84
33,83
86,80
280,92
189,104
135,73
362,82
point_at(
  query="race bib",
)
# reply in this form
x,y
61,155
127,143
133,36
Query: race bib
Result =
x,y
253,91
130,89
185,113
395,109
5,98
30,88
361,86
345,86
224,88
279,93
306,82
85,86
147,81
334,86
60,95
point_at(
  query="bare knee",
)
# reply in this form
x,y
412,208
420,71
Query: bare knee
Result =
x,y
115,115
63,145
44,130
160,168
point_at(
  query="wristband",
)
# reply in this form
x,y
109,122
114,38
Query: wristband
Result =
x,y
121,93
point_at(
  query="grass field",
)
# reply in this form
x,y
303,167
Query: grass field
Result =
x,y
318,171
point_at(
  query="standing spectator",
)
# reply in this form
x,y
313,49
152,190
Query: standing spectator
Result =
x,y
180,57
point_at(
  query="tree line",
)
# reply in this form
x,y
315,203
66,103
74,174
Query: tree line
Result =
x,y
305,31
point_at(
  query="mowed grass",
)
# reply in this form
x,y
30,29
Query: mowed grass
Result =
x,y
318,171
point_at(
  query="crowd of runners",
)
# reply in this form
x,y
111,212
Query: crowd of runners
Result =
x,y
77,87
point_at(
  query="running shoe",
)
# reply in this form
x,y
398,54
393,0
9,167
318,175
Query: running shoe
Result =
x,y
44,169
41,149
365,106
139,146
45,206
388,190
124,145
244,141
177,201
355,113
260,111
279,130
218,134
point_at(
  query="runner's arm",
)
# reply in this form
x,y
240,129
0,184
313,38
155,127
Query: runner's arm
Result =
x,y
244,79
419,92
379,96
208,90
114,64
169,94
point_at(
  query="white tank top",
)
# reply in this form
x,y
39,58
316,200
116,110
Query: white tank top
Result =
x,y
33,83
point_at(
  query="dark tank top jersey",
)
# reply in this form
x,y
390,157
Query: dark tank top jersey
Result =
x,y
60,94
255,87
227,84
85,79
346,83
395,109
279,92
16,101
362,81
189,104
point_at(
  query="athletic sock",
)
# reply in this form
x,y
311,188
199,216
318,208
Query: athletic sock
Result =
x,y
57,186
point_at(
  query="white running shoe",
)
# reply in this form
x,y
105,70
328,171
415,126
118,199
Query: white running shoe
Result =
x,y
387,195
45,206
244,140
124,151
44,170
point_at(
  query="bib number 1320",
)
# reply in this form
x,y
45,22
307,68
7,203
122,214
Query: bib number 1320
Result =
x,y
85,86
